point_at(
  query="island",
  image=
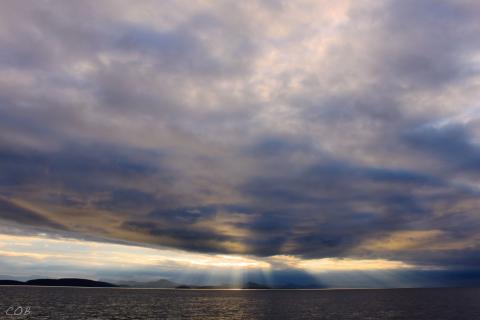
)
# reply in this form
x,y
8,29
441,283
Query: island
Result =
x,y
63,282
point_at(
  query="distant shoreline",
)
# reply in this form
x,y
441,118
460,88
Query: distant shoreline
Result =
x,y
63,282
230,289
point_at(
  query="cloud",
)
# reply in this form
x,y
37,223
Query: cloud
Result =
x,y
452,145
315,130
14,211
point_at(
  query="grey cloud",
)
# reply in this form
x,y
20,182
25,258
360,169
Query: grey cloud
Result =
x,y
71,167
427,30
14,213
183,237
329,209
217,126
451,145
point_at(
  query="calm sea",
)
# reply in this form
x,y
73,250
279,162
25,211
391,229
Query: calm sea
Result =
x,y
83,303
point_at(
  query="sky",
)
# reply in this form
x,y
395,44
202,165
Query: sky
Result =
x,y
334,142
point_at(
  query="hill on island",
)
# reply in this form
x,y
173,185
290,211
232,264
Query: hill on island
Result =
x,y
11,283
158,284
64,282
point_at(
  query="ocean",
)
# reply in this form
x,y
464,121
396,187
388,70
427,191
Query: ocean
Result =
x,y
58,303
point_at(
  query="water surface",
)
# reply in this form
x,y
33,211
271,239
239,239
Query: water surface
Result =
x,y
113,303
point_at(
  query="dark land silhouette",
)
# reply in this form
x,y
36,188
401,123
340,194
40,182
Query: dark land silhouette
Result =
x,y
157,284
11,283
161,283
64,282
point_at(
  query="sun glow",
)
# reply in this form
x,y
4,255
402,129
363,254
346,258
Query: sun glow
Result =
x,y
334,264
56,254
337,264
90,253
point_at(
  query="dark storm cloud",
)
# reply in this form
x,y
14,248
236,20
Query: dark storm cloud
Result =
x,y
327,209
78,181
451,145
72,167
183,236
12,212
247,128
183,215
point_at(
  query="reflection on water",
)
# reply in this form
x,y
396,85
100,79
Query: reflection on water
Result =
x,y
83,303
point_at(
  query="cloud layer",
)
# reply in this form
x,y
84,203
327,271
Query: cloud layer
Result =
x,y
266,128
